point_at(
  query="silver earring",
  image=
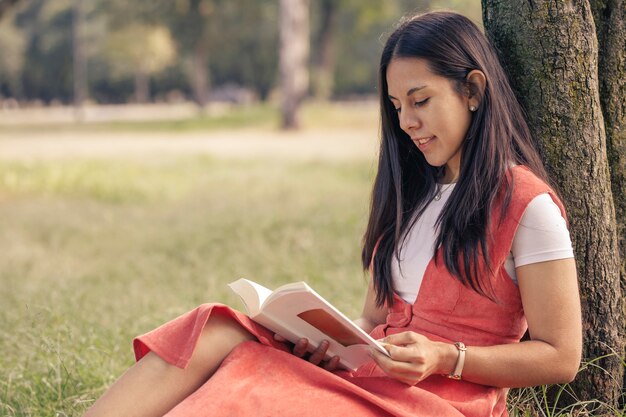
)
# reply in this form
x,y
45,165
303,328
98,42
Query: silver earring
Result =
x,y
472,108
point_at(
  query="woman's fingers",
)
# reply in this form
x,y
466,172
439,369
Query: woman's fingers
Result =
x,y
411,357
412,353
300,348
404,338
279,338
332,364
319,353
390,365
402,371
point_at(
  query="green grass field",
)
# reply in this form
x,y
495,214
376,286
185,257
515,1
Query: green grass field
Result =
x,y
98,250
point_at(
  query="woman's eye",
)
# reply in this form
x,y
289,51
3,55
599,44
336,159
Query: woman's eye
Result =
x,y
417,104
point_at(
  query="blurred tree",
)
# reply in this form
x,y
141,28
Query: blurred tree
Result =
x,y
364,25
469,8
6,5
190,21
48,65
225,42
255,48
294,56
218,43
80,60
141,51
324,54
47,32
13,45
108,81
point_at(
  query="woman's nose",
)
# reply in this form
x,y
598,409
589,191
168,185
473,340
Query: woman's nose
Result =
x,y
408,120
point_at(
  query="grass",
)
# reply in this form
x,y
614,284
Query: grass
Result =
x,y
96,252
559,401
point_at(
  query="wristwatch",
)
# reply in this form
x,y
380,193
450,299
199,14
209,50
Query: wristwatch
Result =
x,y
458,369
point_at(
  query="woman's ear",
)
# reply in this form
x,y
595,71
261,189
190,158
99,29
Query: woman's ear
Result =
x,y
476,83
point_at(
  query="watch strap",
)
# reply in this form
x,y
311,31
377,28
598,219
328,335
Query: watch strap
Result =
x,y
460,361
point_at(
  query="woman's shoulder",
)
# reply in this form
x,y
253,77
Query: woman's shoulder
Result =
x,y
523,176
526,186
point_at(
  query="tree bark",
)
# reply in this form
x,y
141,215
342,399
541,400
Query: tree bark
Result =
x,y
550,51
325,62
610,19
294,57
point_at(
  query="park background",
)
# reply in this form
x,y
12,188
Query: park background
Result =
x,y
146,161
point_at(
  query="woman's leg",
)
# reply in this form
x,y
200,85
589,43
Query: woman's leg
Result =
x,y
152,387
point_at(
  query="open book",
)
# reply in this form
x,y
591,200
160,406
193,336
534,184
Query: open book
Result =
x,y
296,310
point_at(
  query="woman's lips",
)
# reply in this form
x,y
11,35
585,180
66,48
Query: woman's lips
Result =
x,y
422,143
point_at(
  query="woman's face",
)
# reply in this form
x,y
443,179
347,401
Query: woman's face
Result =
x,y
431,111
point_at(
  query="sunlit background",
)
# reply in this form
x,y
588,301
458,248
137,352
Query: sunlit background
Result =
x,y
143,166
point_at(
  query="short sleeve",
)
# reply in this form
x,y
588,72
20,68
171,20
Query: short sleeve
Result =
x,y
542,234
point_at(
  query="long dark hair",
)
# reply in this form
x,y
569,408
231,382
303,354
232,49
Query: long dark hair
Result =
x,y
405,183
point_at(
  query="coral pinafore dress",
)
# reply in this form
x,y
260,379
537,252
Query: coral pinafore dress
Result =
x,y
261,378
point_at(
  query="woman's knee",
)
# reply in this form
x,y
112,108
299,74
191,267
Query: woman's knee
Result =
x,y
226,328
220,335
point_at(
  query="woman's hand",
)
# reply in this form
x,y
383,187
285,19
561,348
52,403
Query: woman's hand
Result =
x,y
316,357
414,357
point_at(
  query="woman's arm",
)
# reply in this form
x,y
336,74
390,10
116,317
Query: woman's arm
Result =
x,y
551,302
549,292
372,315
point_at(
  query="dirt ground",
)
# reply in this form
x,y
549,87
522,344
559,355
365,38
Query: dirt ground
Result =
x,y
318,143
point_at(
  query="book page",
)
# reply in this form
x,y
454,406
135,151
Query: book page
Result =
x,y
252,294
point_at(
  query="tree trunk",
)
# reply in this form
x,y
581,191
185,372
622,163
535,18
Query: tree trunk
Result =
x,y
142,86
610,18
199,75
294,56
325,62
550,51
199,65
80,61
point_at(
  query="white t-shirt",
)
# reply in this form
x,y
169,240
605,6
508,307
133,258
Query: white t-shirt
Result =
x,y
541,236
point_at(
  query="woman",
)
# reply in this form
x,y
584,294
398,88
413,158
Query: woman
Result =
x,y
467,245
